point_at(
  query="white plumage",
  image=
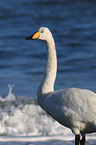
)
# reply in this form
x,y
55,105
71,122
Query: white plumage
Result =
x,y
74,108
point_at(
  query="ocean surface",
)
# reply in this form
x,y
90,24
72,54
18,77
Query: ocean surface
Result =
x,y
22,65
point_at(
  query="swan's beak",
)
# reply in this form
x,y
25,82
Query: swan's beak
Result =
x,y
34,36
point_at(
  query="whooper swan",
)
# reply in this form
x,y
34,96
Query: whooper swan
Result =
x,y
74,108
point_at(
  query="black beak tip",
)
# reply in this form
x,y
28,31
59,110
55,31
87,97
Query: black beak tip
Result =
x,y
29,38
26,38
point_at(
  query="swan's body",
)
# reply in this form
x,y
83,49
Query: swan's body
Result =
x,y
74,108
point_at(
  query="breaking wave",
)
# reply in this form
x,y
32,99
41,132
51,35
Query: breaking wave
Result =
x,y
23,117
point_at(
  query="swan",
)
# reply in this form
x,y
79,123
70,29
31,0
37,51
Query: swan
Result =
x,y
73,107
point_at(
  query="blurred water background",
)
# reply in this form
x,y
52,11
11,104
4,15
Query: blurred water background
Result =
x,y
22,63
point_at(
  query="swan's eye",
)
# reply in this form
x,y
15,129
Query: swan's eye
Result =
x,y
42,31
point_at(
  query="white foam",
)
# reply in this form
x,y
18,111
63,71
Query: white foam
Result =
x,y
42,138
10,96
29,120
36,138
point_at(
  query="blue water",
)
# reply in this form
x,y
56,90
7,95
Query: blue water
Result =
x,y
22,63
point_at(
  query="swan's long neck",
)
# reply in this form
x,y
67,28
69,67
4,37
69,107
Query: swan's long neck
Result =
x,y
47,85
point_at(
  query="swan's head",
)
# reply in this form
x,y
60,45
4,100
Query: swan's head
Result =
x,y
43,33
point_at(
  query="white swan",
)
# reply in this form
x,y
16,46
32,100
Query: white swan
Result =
x,y
74,108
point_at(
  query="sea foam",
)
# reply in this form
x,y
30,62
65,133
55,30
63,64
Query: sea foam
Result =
x,y
24,119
